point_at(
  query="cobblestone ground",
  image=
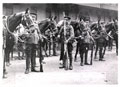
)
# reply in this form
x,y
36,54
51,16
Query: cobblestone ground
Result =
x,y
101,72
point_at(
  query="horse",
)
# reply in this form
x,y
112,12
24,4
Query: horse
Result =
x,y
49,24
112,30
84,44
100,37
77,31
10,24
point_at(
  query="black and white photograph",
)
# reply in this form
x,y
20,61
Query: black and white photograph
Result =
x,y
59,44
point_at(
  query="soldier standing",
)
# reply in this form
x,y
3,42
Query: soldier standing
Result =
x,y
66,39
31,46
32,39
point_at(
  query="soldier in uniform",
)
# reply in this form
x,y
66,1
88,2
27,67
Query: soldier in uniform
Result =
x,y
32,39
31,46
69,35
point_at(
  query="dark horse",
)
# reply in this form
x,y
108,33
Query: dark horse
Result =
x,y
77,31
47,24
85,42
10,26
100,38
112,29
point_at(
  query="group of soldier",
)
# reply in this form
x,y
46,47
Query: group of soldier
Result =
x,y
66,36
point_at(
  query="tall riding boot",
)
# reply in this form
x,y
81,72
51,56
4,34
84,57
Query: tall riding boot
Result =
x,y
86,55
81,56
100,54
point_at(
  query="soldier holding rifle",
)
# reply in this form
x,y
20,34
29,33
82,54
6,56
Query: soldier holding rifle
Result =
x,y
66,34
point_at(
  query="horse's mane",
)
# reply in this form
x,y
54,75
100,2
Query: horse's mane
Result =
x,y
109,27
14,20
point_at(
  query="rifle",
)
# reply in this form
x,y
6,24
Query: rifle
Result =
x,y
65,60
65,50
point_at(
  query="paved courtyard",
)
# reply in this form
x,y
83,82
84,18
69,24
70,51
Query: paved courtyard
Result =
x,y
101,72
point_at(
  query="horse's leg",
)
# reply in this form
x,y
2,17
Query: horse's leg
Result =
x,y
54,48
49,48
91,55
18,54
7,57
77,49
23,51
116,41
45,47
23,54
4,67
111,44
100,53
96,51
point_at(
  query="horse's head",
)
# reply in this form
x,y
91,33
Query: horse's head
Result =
x,y
27,19
52,23
77,27
48,23
23,18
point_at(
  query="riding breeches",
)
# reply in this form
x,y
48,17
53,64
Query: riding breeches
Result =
x,y
69,48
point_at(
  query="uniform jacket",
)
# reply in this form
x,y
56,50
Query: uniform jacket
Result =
x,y
69,33
33,35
